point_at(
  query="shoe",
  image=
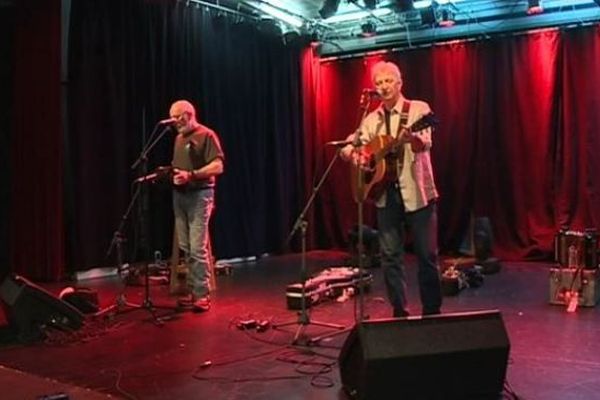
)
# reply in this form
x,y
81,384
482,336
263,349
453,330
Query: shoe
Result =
x,y
201,304
431,312
185,300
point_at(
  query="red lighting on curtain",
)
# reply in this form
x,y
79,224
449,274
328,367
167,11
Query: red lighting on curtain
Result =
x,y
518,128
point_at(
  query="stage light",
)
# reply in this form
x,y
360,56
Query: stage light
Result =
x,y
370,4
368,29
534,7
447,18
289,35
329,8
404,5
428,16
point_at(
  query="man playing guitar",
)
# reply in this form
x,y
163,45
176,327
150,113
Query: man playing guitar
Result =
x,y
394,158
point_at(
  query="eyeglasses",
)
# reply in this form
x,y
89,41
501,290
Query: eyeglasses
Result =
x,y
178,116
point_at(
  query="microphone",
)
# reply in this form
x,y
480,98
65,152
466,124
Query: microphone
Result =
x,y
371,93
150,177
339,143
167,121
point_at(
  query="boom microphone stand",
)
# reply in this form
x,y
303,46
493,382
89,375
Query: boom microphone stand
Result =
x,y
121,303
303,318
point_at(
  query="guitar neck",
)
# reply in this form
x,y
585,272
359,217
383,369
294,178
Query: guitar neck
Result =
x,y
423,123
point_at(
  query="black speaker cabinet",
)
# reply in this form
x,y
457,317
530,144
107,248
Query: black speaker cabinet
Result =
x,y
451,356
31,309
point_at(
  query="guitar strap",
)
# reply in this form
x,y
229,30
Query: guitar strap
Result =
x,y
402,124
404,115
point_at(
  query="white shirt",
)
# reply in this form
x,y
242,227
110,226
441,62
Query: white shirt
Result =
x,y
416,181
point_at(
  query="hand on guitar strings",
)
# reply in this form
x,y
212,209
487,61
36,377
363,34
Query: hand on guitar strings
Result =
x,y
361,159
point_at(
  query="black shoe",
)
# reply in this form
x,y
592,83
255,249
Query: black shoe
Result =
x,y
432,312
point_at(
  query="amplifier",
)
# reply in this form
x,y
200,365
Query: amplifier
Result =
x,y
564,281
583,247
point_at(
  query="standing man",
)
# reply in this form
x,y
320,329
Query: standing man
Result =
x,y
409,201
197,160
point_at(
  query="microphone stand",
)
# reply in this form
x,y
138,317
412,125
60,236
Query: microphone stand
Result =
x,y
117,241
365,102
143,157
301,223
119,238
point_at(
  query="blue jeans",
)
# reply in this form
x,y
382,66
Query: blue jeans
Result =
x,y
392,223
192,211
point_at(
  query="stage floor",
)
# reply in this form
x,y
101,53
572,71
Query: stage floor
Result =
x,y
554,355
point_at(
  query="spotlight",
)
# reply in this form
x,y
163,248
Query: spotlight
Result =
x,y
534,7
269,26
428,16
329,8
370,4
447,18
368,29
289,35
404,5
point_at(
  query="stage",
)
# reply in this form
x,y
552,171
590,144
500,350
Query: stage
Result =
x,y
553,354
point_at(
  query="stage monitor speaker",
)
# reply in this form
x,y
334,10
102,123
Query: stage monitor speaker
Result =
x,y
31,309
446,357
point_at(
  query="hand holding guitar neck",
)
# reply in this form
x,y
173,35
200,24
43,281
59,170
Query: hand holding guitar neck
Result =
x,y
407,136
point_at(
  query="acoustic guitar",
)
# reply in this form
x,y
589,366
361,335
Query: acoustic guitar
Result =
x,y
371,179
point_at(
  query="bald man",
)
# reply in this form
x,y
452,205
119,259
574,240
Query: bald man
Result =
x,y
197,161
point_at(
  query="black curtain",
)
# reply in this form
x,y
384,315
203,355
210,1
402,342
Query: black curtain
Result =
x,y
128,61
7,17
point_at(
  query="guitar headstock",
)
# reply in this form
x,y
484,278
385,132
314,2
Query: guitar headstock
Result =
x,y
426,121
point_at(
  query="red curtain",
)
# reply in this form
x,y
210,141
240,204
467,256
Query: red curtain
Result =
x,y
519,128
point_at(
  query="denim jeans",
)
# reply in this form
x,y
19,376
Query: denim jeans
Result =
x,y
392,223
192,211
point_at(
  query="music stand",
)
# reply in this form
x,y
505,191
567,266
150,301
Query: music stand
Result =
x,y
121,303
304,320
